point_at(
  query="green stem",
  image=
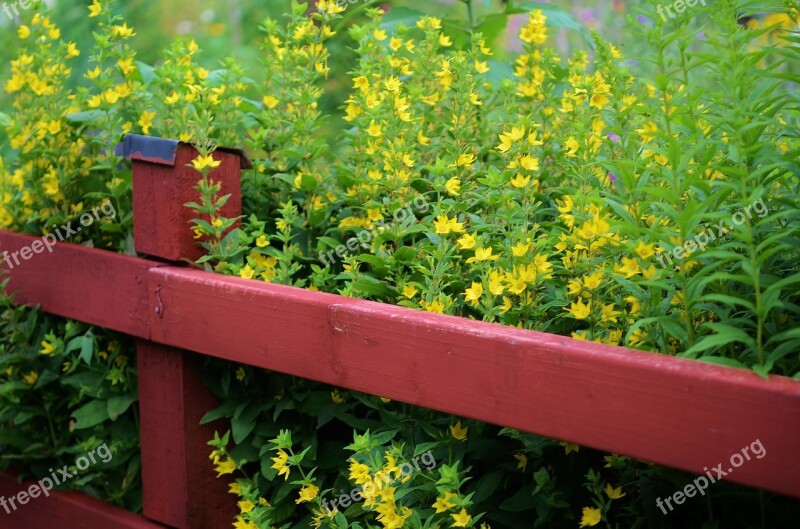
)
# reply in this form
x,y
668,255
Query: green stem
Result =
x,y
470,15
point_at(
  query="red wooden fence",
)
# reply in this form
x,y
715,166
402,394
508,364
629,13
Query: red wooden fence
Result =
x,y
666,410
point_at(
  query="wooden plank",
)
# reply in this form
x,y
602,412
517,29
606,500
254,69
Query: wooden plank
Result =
x,y
180,488
162,226
94,286
64,510
671,411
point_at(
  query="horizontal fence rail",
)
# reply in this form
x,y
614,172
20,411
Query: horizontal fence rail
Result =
x,y
676,412
64,509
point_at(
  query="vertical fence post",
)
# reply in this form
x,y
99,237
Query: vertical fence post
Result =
x,y
180,488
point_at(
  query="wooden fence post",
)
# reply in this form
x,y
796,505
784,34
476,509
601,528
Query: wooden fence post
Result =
x,y
180,488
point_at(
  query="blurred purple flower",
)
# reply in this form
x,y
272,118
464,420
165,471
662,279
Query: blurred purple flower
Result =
x,y
643,20
613,137
612,177
702,36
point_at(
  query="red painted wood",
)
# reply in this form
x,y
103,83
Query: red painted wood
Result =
x,y
675,412
161,222
95,286
672,411
65,510
180,488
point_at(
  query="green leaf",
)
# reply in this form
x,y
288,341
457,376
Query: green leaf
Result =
x,y
118,405
87,348
86,117
90,414
244,420
144,72
401,15
373,287
725,334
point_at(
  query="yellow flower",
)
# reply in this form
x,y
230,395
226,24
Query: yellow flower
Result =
x,y
445,41
336,397
262,241
126,66
95,9
572,145
453,186
429,23
270,101
522,461
379,34
590,517
31,378
410,291
569,447
578,310
474,293
629,267
434,306
203,162
94,74
593,281
359,472
481,66
280,464
123,31
530,163
246,506
520,249
72,50
466,242
443,503
464,160
483,254
225,467
146,120
612,493
507,139
329,7
461,519
638,336
645,250
519,181
235,488
47,348
240,523
458,432
445,225
23,32
374,130
307,493
361,82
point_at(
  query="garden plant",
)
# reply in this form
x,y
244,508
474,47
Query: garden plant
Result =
x,y
646,201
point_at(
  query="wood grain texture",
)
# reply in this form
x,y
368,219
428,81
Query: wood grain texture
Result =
x,y
161,222
680,413
180,487
65,510
94,286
